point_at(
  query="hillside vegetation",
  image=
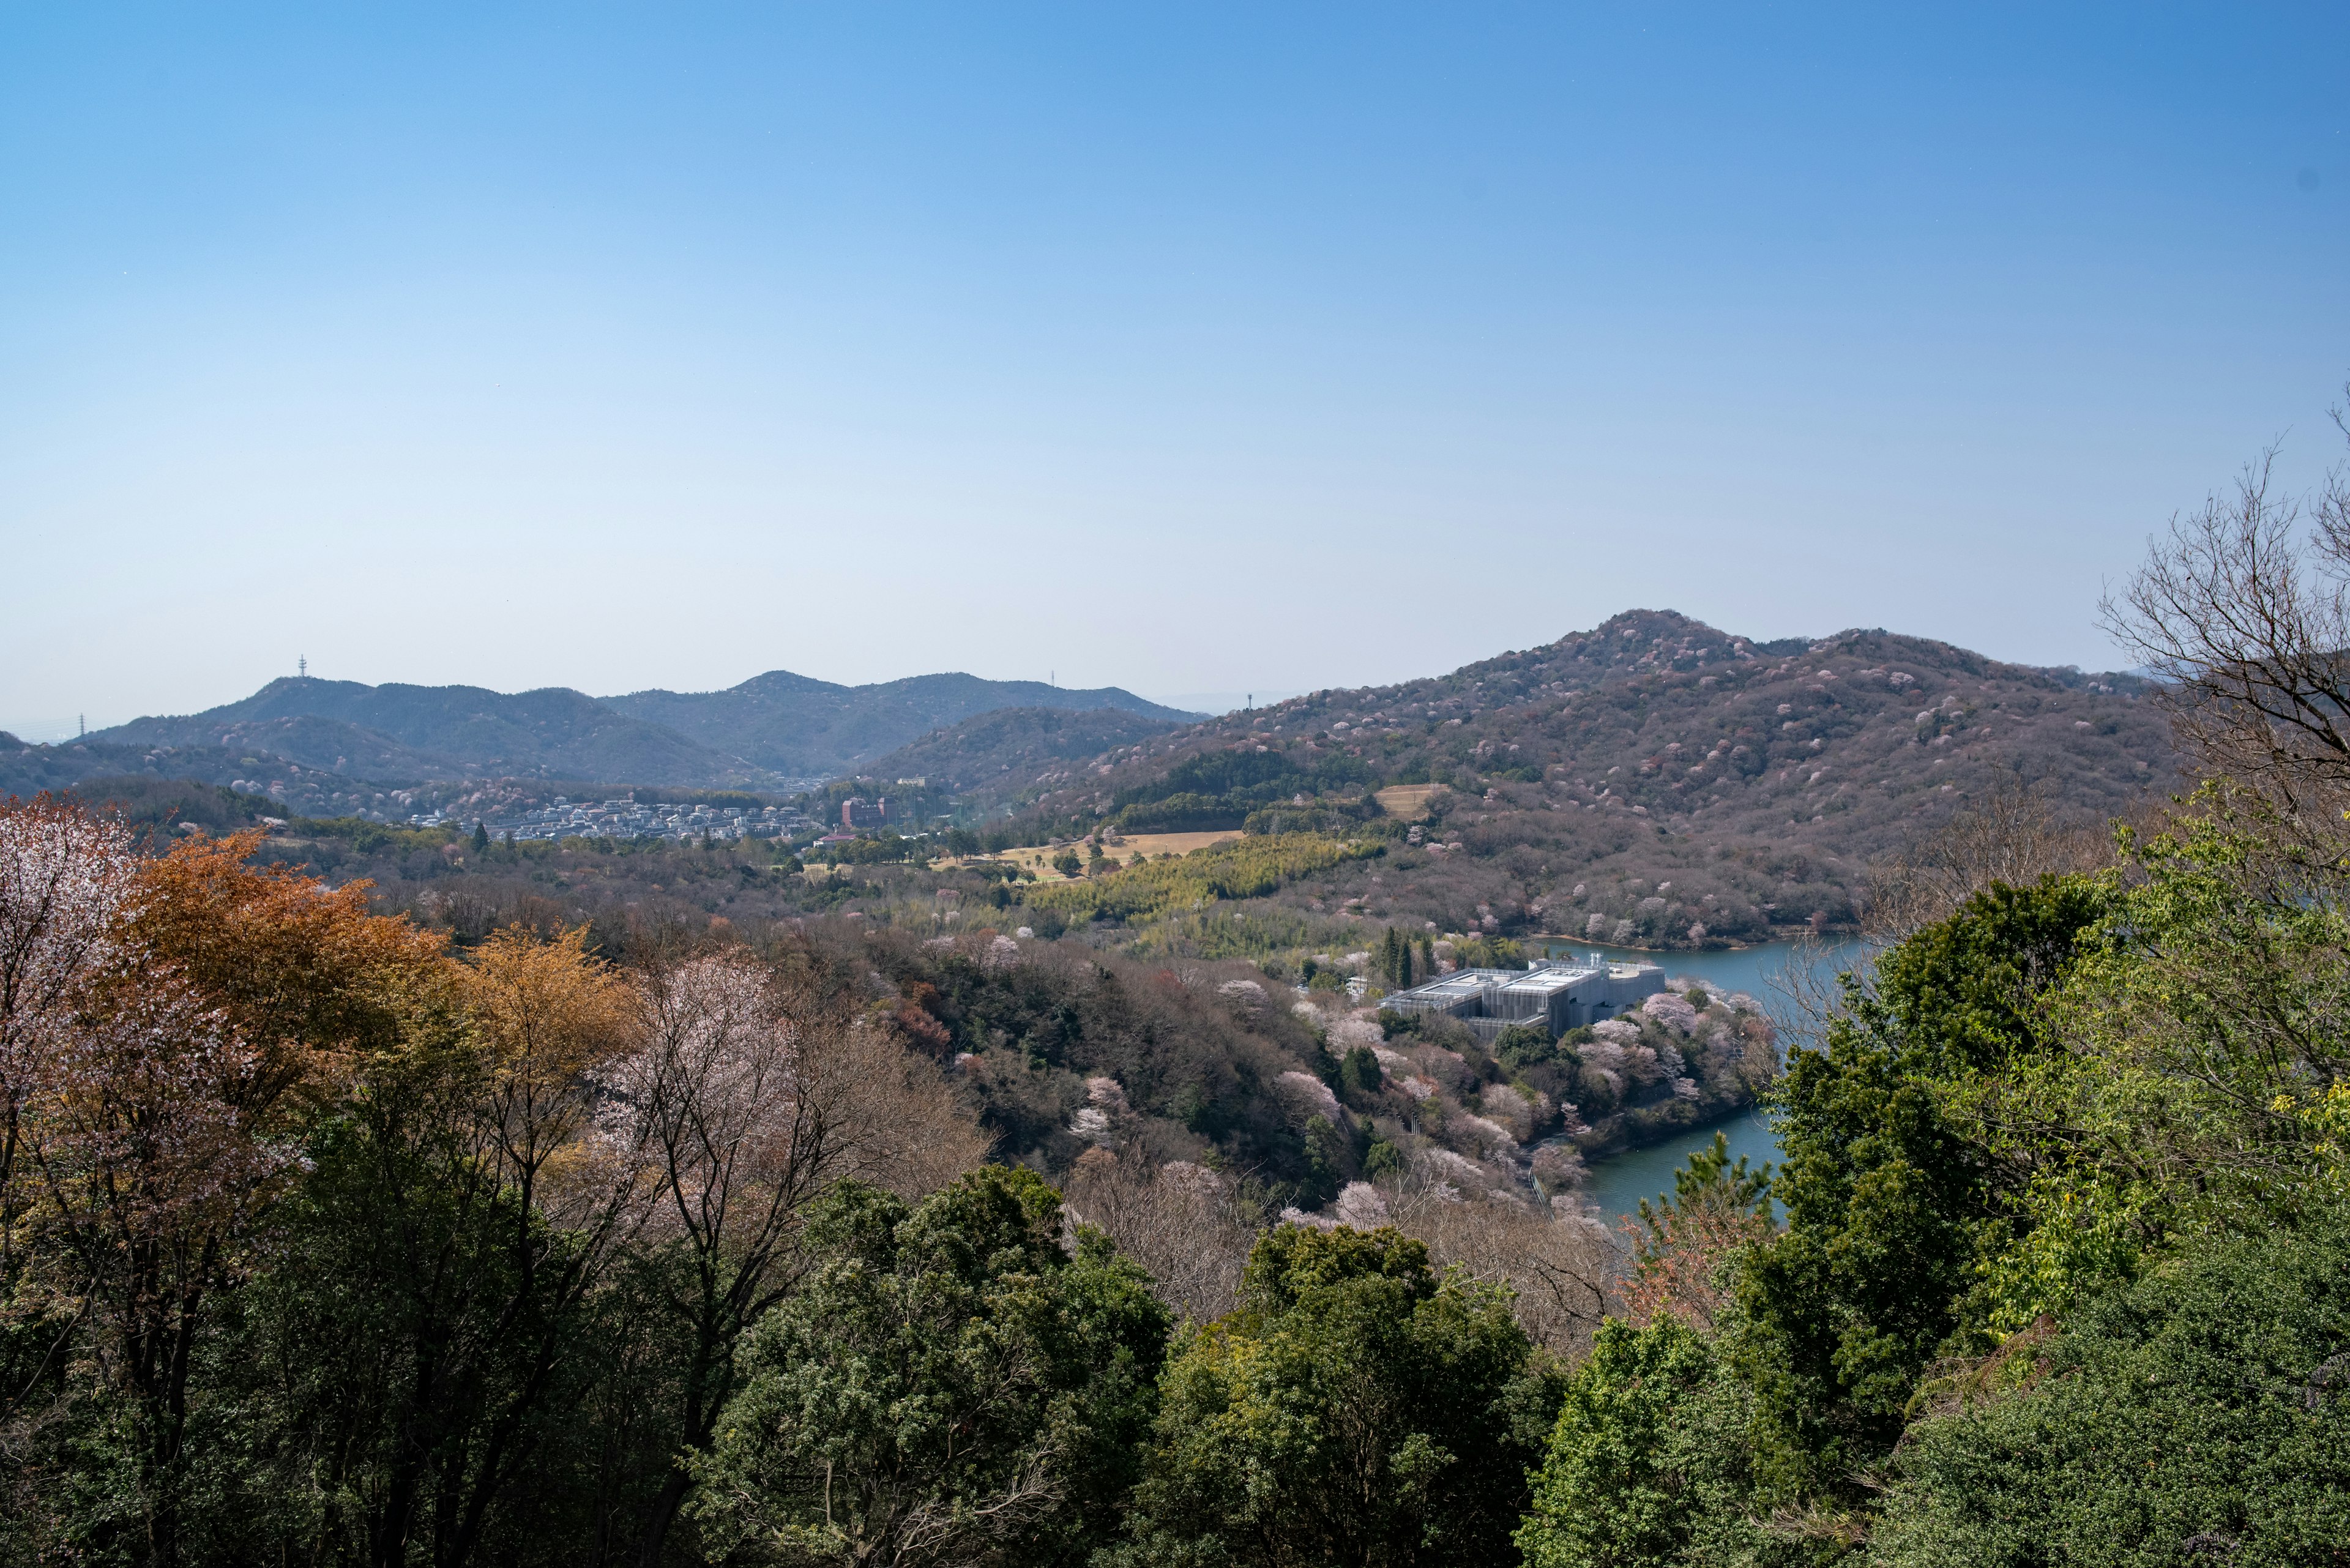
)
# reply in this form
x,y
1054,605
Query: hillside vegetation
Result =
x,y
1652,781
2062,1258
1594,827
979,755
1246,869
799,727
396,733
776,730
668,1204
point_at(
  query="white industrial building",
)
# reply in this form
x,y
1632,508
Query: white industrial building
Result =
x,y
1551,995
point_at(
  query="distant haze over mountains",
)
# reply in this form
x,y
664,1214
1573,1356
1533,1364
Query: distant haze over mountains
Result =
x,y
798,726
1855,740
772,728
398,734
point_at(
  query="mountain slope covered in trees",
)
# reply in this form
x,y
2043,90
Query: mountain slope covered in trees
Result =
x,y
760,734
611,1219
95,769
1653,780
803,727
397,733
1013,744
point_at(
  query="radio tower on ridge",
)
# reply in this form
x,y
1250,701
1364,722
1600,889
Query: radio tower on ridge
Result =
x,y
302,667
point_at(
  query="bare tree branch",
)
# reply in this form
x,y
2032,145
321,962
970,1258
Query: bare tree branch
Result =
x,y
2243,611
2017,834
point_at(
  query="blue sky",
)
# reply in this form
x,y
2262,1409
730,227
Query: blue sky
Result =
x,y
1194,349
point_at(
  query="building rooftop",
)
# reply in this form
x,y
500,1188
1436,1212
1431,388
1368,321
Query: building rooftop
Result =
x,y
1554,978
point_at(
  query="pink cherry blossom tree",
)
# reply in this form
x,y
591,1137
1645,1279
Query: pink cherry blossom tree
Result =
x,y
750,1097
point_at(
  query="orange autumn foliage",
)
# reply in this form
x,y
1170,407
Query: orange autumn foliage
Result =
x,y
300,970
544,1018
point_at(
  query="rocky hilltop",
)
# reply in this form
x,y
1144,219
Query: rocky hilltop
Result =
x,y
1651,780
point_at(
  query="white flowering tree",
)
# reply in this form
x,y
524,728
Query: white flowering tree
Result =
x,y
66,879
749,1099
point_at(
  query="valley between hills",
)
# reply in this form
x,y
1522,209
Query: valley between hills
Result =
x,y
1652,782
1099,889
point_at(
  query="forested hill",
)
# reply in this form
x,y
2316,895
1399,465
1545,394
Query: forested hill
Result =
x,y
1647,779
397,733
802,727
1012,745
321,739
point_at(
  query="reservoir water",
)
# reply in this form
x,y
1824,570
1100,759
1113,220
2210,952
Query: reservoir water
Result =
x,y
1618,1183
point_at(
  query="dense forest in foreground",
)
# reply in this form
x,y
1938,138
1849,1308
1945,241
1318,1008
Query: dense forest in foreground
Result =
x,y
329,1233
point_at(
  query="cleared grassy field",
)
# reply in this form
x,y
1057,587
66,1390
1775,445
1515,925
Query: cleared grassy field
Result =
x,y
1152,845
1406,803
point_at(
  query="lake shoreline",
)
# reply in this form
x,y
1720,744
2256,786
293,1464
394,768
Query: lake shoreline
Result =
x,y
1833,938
1613,1189
1615,1182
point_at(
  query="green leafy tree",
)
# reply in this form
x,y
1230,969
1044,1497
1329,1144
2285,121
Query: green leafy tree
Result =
x,y
2209,1068
2201,1415
1647,1467
409,1383
949,1386
1684,1245
1708,1176
1491,952
416,1401
1325,1161
1524,1046
1355,1410
481,838
1396,959
1893,1197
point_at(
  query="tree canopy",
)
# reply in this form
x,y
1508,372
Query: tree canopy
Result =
x,y
1356,1409
947,1386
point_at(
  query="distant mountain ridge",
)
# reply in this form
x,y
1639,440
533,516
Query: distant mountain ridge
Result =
x,y
401,733
1615,701
803,727
1653,781
769,730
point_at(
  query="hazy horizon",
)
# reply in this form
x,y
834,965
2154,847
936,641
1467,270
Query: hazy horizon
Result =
x,y
50,728
1172,350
